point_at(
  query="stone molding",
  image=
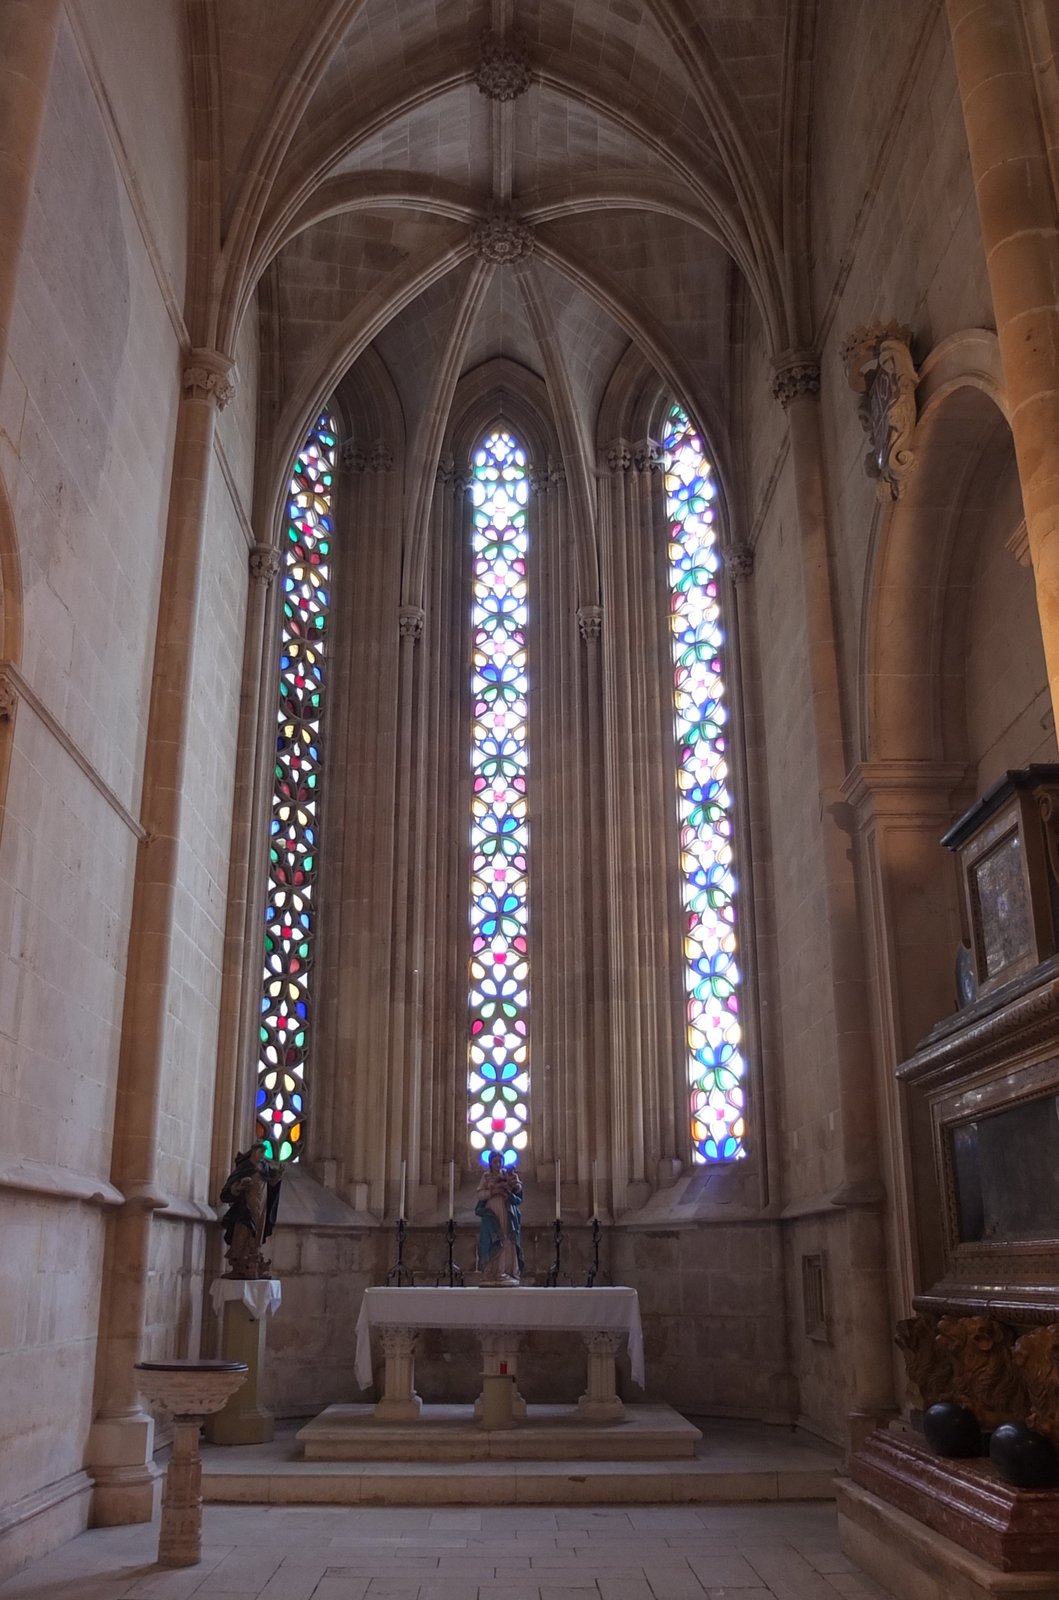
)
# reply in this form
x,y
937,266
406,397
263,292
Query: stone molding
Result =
x,y
881,372
375,457
210,376
590,621
738,562
904,789
410,620
265,564
797,377
501,236
503,71
8,697
1028,1020
56,1183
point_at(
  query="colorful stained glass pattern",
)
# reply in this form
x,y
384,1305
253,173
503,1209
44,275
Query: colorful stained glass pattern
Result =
x,y
715,1061
498,1052
290,914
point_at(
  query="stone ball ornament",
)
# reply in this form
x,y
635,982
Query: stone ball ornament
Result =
x,y
951,1430
1024,1458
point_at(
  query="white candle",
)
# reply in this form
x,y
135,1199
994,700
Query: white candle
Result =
x,y
452,1186
595,1189
558,1200
404,1176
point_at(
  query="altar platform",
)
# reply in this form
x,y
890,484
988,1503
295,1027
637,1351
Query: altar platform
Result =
x,y
733,1461
546,1433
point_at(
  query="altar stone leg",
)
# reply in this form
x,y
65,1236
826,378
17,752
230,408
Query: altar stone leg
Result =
x,y
600,1403
500,1354
399,1402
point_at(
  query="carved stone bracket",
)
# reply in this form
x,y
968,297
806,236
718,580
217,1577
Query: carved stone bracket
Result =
x,y
929,1367
8,698
1037,1357
738,562
985,1378
376,457
503,71
590,621
501,236
410,620
796,378
618,455
264,563
210,376
881,371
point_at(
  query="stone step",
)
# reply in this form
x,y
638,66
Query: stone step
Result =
x,y
450,1433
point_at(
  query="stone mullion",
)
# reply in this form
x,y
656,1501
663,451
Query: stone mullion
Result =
x,y
458,942
666,1051
620,769
544,888
592,847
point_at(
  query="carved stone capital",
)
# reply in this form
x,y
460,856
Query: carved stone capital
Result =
x,y
410,620
8,698
647,456
590,621
398,1342
501,236
601,1343
210,376
502,72
264,563
618,455
374,457
738,562
880,370
797,376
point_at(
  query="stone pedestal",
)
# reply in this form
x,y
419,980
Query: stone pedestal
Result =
x,y
192,1391
243,1420
498,1392
500,1355
600,1401
399,1402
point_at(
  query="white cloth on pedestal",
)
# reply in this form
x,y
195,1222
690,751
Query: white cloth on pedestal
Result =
x,y
602,1310
258,1295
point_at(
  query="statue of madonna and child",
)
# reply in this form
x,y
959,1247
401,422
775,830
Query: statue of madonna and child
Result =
x,y
499,1208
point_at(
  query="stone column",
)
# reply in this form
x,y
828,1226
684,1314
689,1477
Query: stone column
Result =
x,y
240,992
120,1448
797,387
1005,116
28,31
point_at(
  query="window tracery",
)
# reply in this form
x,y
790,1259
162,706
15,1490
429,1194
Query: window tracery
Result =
x,y
716,1066
286,1020
498,1050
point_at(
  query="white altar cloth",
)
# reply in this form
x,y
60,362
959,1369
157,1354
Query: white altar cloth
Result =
x,y
602,1310
258,1295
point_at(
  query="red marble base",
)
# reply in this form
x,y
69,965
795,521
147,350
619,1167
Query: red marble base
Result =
x,y
1016,1530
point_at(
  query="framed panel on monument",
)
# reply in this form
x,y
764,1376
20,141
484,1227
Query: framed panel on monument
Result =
x,y
1009,874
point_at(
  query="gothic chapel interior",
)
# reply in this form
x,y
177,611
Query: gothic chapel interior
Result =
x,y
523,523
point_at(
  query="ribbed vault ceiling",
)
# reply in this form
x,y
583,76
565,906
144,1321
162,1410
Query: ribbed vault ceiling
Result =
x,y
647,152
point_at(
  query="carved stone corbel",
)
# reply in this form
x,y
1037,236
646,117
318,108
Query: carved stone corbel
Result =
x,y
985,1377
881,371
738,562
410,620
376,457
210,376
797,377
1037,1357
264,563
928,1366
590,621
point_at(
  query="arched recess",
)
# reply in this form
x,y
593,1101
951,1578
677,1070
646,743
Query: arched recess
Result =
x,y
10,638
951,632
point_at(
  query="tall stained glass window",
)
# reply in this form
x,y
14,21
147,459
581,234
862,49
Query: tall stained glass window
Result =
x,y
286,1002
498,1052
716,1068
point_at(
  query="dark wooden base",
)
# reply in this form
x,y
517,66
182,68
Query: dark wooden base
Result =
x,y
1015,1530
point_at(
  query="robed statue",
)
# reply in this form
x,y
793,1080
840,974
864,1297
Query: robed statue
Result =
x,y
251,1193
499,1208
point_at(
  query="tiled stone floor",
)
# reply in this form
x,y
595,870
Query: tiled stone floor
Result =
x,y
748,1552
